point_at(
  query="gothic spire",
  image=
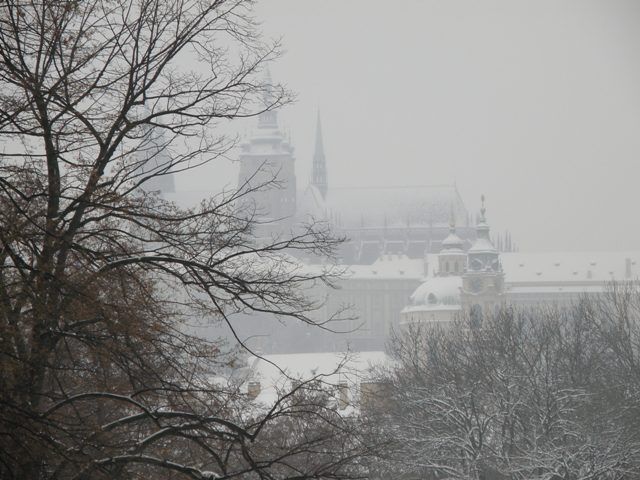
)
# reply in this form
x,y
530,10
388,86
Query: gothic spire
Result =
x,y
319,172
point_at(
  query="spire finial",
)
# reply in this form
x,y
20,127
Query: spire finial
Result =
x,y
483,210
452,243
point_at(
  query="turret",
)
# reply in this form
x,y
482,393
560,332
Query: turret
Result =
x,y
483,255
267,165
483,280
452,259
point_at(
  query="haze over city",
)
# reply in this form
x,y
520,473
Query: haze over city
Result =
x,y
534,104
424,263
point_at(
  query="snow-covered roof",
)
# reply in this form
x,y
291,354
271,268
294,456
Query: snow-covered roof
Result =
x,y
333,367
266,143
311,203
482,245
437,292
453,243
553,289
388,267
395,206
582,268
570,267
431,308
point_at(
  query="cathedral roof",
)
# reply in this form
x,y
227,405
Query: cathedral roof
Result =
x,y
311,204
395,206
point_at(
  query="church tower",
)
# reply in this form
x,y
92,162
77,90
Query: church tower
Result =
x,y
267,164
452,259
483,279
319,172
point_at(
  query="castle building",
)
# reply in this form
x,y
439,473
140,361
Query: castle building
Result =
x,y
413,254
492,279
410,221
406,259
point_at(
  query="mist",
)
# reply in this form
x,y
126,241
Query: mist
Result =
x,y
534,104
319,239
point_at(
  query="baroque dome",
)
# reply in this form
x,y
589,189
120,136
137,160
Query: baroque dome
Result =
x,y
438,292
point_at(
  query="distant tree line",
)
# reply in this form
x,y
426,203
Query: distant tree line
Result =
x,y
542,393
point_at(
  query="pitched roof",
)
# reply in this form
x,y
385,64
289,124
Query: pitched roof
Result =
x,y
428,205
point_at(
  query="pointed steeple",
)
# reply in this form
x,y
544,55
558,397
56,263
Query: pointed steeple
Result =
x,y
319,172
483,240
453,241
483,255
452,259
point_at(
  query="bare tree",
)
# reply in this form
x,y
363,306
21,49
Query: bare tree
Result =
x,y
99,377
536,393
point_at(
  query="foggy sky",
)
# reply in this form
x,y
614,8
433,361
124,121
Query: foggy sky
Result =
x,y
534,103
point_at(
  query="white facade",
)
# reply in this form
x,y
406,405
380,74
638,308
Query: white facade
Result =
x,y
551,278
